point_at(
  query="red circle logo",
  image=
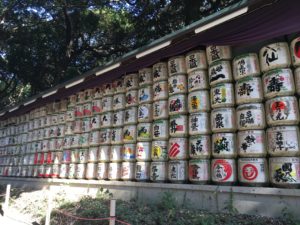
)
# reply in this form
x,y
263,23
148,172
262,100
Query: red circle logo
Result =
x,y
222,169
250,172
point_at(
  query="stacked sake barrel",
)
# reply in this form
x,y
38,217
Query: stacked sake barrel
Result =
x,y
160,125
199,145
250,115
223,122
282,114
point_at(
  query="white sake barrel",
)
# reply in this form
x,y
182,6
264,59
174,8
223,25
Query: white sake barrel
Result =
x,y
251,143
177,104
80,97
283,141
177,84
131,98
159,151
97,92
160,71
128,153
104,153
59,144
93,154
83,155
274,56
107,89
222,95
220,72
119,101
197,80
199,123
129,134
71,172
158,171
200,147
105,136
54,120
297,80
160,91
67,142
282,111
253,171
118,118
66,156
144,131
71,101
131,81
128,172
198,101
249,90
178,148
145,94
223,171
145,113
102,171
117,136
160,130
47,171
41,171
224,145
114,171
75,141
251,116
143,151
223,120
107,104
131,115
69,128
96,106
87,109
91,171
30,171
34,173
58,157
80,171
55,171
63,106
88,95
178,171
78,109
246,65
215,53
178,126
160,110
142,171
86,124
94,138
106,120
279,82
45,145
295,51
78,126
195,60
176,65
285,172
145,76
119,86
116,153
199,171
84,140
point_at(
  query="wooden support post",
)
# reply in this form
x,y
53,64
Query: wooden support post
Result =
x,y
112,212
49,207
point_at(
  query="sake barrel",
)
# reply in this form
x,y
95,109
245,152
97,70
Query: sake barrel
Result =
x,y
283,141
55,171
104,153
178,148
282,111
66,156
199,123
78,109
177,104
80,171
127,171
198,101
215,53
178,171
34,173
144,132
106,104
102,171
158,171
178,126
142,171
71,101
67,142
86,124
119,101
70,115
220,72
58,157
128,153
177,84
83,155
74,156
80,97
159,151
78,126
96,106
284,172
114,171
106,120
118,118
249,90
143,151
97,92
251,116
131,81
160,130
145,76
71,172
116,136
94,138
160,71
84,140
195,60
279,82
223,171
297,80
105,136
245,65
222,95
75,141
274,56
253,171
145,94
295,51
47,171
29,171
129,134
176,65
223,120
251,143
119,86
200,146
199,171
91,171
116,153
69,128
93,154
160,110
160,91
107,89
131,115
87,109
224,145
131,98
197,80
41,171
